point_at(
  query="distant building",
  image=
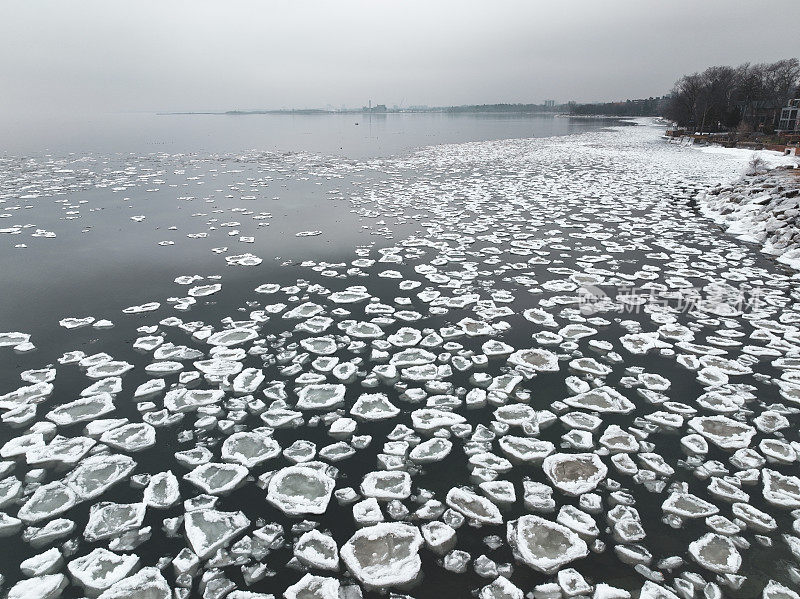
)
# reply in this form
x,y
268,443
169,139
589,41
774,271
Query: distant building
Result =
x,y
790,117
549,103
376,108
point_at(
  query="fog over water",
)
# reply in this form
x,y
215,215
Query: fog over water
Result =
x,y
97,56
351,135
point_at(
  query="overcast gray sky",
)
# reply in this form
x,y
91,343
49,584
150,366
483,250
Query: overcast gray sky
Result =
x,y
156,55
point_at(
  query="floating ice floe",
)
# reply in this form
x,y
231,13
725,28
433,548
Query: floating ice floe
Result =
x,y
148,307
722,431
249,448
716,553
386,485
49,586
317,550
100,569
602,399
148,582
217,478
108,520
13,339
82,410
432,450
544,545
300,490
535,359
208,530
96,474
232,337
162,491
474,506
374,406
781,490
130,437
687,505
320,397
575,473
384,555
245,259
204,290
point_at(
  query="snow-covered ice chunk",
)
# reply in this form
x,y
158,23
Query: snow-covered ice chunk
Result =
x,y
716,553
544,545
320,397
49,586
781,490
300,490
96,474
100,569
48,562
384,555
46,502
232,337
11,339
208,530
217,478
501,588
204,290
148,582
525,449
775,590
65,451
107,369
303,311
602,399
575,473
374,406
386,485
189,400
162,491
432,450
428,420
245,259
313,587
82,410
687,505
317,550
535,359
722,431
249,448
473,506
108,519
130,437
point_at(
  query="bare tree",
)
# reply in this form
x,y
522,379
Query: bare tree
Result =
x,y
724,97
757,165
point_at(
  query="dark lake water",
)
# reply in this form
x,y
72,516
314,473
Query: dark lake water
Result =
x,y
517,213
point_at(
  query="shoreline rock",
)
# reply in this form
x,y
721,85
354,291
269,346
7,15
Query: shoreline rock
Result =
x,y
763,208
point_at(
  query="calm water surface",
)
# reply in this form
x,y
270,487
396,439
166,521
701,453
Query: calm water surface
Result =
x,y
350,135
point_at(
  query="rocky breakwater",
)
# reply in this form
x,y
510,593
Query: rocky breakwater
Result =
x,y
763,208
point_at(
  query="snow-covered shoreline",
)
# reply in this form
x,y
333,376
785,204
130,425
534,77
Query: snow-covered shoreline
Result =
x,y
762,208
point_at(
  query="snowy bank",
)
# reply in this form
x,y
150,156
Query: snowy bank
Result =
x,y
762,208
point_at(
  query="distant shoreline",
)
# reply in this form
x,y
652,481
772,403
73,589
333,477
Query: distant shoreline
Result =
x,y
471,109
365,113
